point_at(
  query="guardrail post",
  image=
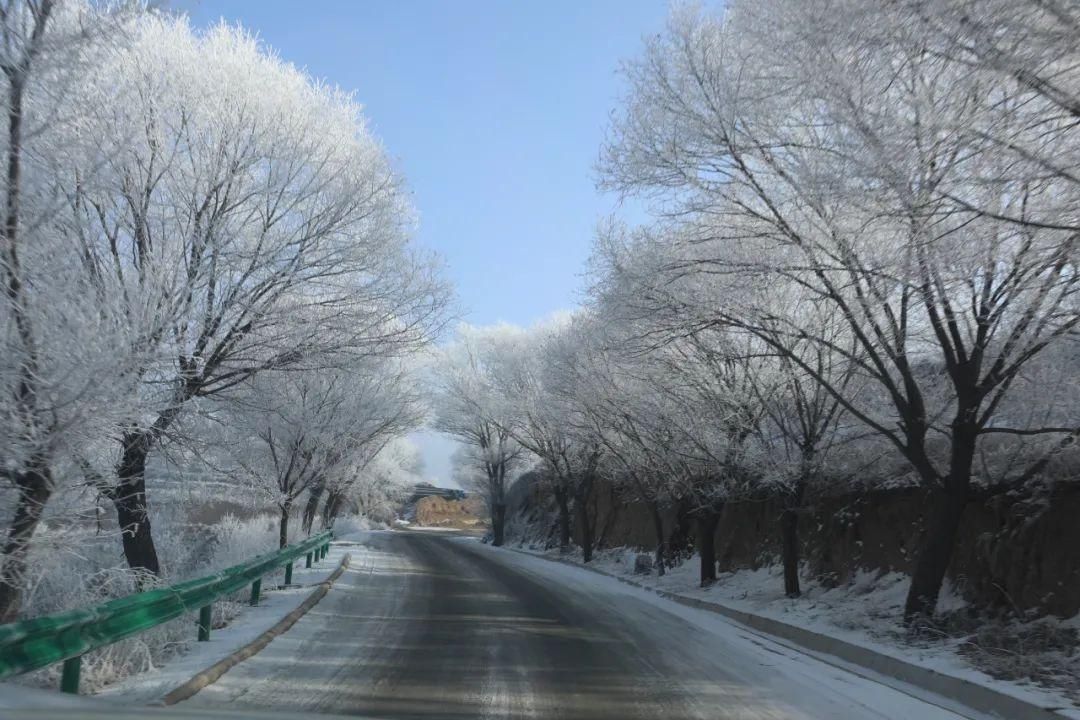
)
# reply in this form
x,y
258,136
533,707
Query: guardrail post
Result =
x,y
288,573
205,618
325,549
256,588
69,679
307,560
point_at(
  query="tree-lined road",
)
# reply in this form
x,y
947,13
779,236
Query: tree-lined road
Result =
x,y
431,626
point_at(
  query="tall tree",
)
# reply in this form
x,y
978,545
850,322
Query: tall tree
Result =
x,y
382,485
295,430
856,156
470,408
66,346
252,203
542,419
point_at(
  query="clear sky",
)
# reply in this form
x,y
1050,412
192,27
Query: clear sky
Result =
x,y
494,111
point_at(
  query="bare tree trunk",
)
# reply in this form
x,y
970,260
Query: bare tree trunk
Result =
x,y
789,537
586,530
940,538
34,484
497,503
311,508
283,525
35,488
564,518
498,524
935,554
609,521
329,510
707,521
335,500
789,530
658,525
132,513
582,495
680,541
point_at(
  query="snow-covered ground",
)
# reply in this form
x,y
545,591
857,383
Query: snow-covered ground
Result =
x,y
863,612
147,687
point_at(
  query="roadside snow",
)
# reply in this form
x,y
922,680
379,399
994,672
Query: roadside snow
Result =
x,y
435,529
22,697
864,612
275,604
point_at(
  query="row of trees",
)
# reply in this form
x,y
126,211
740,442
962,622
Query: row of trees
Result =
x,y
862,271
196,237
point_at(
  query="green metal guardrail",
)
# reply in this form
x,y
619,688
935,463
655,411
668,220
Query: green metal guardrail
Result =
x,y
40,642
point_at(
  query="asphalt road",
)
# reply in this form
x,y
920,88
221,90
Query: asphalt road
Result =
x,y
429,626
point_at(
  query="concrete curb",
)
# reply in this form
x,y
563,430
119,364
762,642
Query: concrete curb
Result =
x,y
211,674
969,694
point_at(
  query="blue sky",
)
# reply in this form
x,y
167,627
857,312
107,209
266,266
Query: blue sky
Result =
x,y
494,112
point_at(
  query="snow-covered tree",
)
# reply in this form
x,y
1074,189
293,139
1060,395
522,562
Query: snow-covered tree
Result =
x,y
858,157
470,407
392,407
68,344
384,484
545,418
620,405
790,418
251,204
296,432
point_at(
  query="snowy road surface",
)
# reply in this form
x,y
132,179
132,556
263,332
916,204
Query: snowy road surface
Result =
x,y
430,626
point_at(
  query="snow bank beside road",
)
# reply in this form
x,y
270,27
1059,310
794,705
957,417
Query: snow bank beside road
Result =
x,y
147,687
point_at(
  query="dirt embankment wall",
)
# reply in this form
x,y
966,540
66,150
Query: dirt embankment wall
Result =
x,y
435,511
1011,553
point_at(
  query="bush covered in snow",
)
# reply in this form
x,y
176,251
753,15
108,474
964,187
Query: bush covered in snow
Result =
x,y
75,566
1045,651
350,524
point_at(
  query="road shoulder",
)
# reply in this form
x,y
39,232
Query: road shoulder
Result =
x,y
152,686
956,693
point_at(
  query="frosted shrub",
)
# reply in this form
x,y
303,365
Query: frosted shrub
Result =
x,y
238,540
76,566
73,568
1046,651
351,524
